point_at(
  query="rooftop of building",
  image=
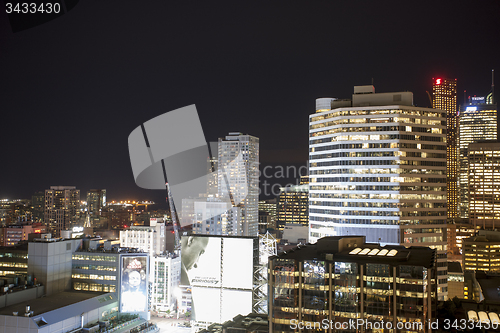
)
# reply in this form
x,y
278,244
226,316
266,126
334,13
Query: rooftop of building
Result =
x,y
252,322
454,267
355,249
19,247
490,286
72,301
484,236
365,96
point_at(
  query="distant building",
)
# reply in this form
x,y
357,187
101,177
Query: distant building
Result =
x,y
455,280
62,205
13,234
213,216
269,208
342,279
482,252
96,200
238,179
117,216
478,121
164,279
293,206
444,97
483,190
295,233
38,206
150,239
464,230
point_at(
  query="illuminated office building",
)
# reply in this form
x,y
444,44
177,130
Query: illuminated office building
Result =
x,y
62,204
444,97
378,169
478,121
269,206
482,252
343,280
484,180
293,205
13,234
267,215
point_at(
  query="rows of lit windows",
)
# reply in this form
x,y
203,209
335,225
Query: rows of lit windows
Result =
x,y
378,196
371,145
377,153
95,267
367,221
336,127
94,287
374,120
93,276
406,112
14,264
395,170
379,162
88,257
355,187
374,213
378,179
13,255
377,204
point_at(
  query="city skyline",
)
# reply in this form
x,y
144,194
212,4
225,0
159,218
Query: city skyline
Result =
x,y
100,69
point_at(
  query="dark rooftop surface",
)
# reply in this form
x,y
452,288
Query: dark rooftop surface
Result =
x,y
49,303
454,267
338,248
490,285
253,322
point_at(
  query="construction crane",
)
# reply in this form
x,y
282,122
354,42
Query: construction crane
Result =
x,y
173,213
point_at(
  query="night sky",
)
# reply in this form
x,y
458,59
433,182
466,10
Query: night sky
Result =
x,y
73,89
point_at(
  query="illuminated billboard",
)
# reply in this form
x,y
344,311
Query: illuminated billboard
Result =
x,y
220,271
134,284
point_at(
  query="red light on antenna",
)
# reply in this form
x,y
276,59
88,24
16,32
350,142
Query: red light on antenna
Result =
x,y
438,81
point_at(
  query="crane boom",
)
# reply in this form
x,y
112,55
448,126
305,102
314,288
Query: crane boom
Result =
x,y
173,213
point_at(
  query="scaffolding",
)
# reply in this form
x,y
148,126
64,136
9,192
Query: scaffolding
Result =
x,y
267,248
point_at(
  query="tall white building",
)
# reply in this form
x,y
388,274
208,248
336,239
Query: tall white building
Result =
x,y
238,180
150,239
378,169
164,278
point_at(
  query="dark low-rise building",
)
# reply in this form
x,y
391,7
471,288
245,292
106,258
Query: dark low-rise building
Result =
x,y
342,282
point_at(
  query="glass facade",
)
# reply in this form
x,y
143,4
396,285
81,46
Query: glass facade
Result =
x,y
444,97
380,171
327,294
477,122
484,192
94,272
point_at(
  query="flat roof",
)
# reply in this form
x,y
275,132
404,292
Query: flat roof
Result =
x,y
53,302
330,249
